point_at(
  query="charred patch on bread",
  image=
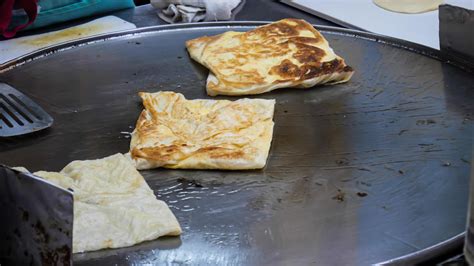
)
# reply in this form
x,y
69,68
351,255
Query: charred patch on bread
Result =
x,y
312,40
308,53
286,69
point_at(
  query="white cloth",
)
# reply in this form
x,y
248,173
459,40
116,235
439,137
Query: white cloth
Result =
x,y
175,11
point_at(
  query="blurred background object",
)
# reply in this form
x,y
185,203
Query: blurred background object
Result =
x,y
185,11
16,17
141,2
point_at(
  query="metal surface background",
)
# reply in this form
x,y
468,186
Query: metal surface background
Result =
x,y
358,173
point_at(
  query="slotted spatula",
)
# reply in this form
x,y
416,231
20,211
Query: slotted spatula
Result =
x,y
19,114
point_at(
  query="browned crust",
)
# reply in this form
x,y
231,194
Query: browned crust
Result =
x,y
166,153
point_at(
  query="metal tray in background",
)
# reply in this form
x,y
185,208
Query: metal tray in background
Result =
x,y
358,173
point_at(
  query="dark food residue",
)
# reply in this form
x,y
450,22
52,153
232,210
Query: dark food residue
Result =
x,y
340,196
342,162
191,182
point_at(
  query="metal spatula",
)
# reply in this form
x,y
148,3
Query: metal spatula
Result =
x,y
19,114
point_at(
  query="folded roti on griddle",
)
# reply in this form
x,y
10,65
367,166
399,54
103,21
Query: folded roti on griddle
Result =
x,y
174,132
113,205
286,53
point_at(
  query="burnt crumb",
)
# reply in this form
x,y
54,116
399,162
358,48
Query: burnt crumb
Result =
x,y
402,131
401,172
134,74
279,200
446,164
385,208
340,196
138,43
41,232
342,162
465,161
179,57
361,194
285,111
191,182
61,256
25,216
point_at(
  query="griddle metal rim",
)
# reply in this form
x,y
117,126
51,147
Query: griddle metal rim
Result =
x,y
406,45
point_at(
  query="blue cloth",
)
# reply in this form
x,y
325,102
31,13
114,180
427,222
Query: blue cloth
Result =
x,y
57,11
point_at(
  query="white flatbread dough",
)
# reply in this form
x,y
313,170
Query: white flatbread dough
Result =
x,y
409,6
113,205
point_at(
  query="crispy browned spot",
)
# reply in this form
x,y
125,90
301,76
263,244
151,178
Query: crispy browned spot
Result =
x,y
162,153
221,153
325,68
228,155
208,149
308,53
286,69
306,39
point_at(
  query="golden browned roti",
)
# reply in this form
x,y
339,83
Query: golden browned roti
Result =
x,y
286,53
174,132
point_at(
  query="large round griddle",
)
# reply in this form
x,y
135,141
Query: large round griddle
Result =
x,y
358,173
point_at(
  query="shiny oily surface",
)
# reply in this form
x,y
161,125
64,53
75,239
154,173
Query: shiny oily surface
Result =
x,y
358,173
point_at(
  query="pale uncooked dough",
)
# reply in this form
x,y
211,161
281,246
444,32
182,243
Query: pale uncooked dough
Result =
x,y
409,6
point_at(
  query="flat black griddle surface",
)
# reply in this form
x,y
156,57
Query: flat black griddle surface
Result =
x,y
358,173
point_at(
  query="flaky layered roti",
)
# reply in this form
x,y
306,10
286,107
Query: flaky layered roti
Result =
x,y
174,132
286,53
113,205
